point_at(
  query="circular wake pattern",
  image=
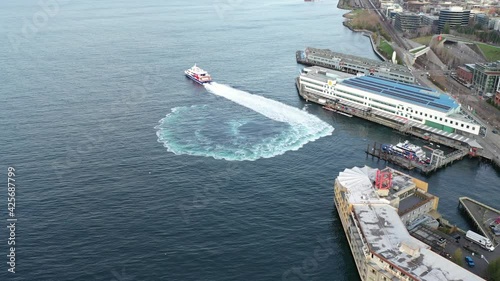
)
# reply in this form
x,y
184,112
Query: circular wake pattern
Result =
x,y
236,133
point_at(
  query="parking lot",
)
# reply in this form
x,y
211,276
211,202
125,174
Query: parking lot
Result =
x,y
455,241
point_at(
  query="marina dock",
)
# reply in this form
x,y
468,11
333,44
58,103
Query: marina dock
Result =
x,y
481,215
438,160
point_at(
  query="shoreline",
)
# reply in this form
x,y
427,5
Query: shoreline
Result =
x,y
365,32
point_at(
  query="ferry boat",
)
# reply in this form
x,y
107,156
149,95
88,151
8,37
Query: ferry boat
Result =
x,y
198,75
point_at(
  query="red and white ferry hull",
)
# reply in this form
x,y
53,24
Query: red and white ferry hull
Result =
x,y
198,75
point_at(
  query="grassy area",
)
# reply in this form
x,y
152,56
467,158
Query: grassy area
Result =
x,y
385,49
491,53
363,19
353,13
425,40
366,19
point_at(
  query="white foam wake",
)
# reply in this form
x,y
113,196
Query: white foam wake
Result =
x,y
272,109
305,127
187,130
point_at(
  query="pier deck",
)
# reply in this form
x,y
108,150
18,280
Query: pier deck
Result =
x,y
410,165
464,144
481,215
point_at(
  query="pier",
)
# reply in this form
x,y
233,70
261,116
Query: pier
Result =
x,y
462,143
481,215
438,160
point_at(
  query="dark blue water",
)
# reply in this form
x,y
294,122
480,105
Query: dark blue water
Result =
x,y
100,198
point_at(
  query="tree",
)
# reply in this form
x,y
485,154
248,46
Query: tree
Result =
x,y
493,270
458,257
446,28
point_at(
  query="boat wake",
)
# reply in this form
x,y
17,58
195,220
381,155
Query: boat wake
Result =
x,y
238,136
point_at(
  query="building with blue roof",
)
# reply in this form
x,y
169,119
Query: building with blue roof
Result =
x,y
387,97
416,95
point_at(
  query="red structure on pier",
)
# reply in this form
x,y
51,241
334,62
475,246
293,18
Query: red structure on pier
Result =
x,y
383,179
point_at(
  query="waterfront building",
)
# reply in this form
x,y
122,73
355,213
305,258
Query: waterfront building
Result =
x,y
354,64
408,22
380,243
387,98
455,16
485,76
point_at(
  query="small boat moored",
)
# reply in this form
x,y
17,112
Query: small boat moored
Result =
x,y
198,75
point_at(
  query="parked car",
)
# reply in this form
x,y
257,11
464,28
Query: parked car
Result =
x,y
469,261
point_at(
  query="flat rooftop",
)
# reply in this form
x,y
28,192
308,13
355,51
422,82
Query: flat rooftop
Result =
x,y
324,74
409,202
387,236
421,96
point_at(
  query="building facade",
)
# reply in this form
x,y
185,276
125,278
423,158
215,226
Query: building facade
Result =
x,y
455,16
392,10
408,22
485,77
432,21
464,74
482,19
384,97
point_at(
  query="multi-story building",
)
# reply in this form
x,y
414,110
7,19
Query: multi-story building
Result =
x,y
380,243
494,23
408,22
432,21
391,10
455,16
485,76
482,19
464,74
389,99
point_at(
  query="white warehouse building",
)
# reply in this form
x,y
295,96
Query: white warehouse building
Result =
x,y
402,100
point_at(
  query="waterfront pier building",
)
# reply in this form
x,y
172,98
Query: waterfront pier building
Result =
x,y
354,64
380,243
387,99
